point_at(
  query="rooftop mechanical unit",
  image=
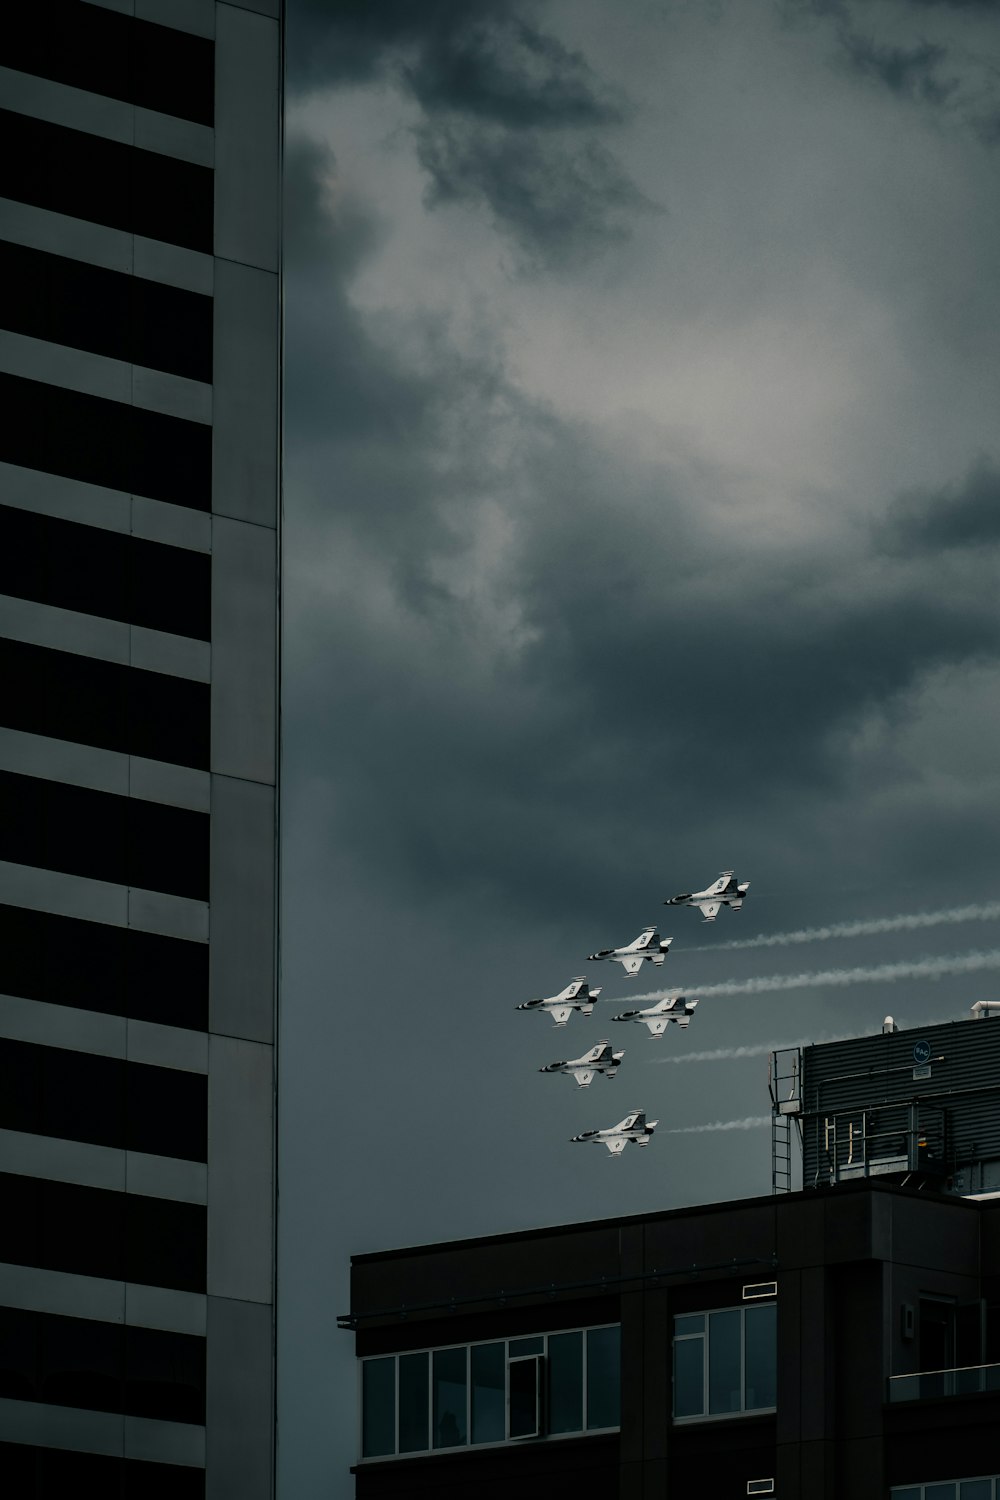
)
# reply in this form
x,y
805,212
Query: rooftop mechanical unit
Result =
x,y
918,1104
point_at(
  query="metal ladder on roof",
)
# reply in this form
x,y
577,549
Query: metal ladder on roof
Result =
x,y
783,1073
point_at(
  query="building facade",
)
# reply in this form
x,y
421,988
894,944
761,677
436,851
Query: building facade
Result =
x,y
840,1343
139,509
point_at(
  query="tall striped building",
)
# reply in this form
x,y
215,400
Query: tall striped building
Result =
x,y
139,510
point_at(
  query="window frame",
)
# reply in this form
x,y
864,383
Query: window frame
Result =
x,y
705,1415
541,1360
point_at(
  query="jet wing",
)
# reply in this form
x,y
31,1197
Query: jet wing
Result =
x,y
709,909
617,1145
657,1025
561,1014
631,962
583,1076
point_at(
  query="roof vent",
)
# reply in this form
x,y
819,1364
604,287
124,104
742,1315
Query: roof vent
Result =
x,y
889,1026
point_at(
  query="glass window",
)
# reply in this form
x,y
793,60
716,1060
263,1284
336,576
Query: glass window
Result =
x,y
760,1357
525,1405
689,1377
724,1390
603,1377
378,1407
976,1489
565,1406
489,1399
940,1491
413,1403
449,1397
913,1493
517,1347
730,1367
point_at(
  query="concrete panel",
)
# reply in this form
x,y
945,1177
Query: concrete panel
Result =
x,y
175,655
247,137
60,1292
166,1046
173,916
175,525
72,1296
244,650
165,1177
66,895
158,1307
177,786
240,1175
60,104
261,7
61,1427
64,1026
62,1161
156,390
165,1442
72,369
245,440
67,499
63,630
241,956
196,16
239,1401
41,229
172,136
156,260
62,760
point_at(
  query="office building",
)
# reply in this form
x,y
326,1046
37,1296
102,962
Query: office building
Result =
x,y
841,1342
139,512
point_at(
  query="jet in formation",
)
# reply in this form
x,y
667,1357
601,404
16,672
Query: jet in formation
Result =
x,y
576,996
599,1059
616,1137
726,891
648,946
658,1017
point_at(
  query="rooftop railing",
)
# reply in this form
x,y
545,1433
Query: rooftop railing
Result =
x,y
927,1385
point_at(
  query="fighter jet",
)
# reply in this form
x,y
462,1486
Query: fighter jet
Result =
x,y
726,891
647,946
599,1059
617,1137
576,996
658,1017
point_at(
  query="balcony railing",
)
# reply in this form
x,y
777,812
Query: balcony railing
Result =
x,y
968,1380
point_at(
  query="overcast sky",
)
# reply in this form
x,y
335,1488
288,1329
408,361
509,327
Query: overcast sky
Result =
x,y
642,506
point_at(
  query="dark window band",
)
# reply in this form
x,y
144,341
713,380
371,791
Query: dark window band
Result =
x,y
118,971
88,177
96,1232
105,442
102,836
100,703
82,1096
99,50
105,573
55,1473
106,312
143,1372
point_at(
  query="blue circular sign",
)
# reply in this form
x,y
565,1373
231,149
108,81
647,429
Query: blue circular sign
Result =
x,y
921,1052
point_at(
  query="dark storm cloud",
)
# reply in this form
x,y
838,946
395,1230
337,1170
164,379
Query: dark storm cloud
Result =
x,y
612,646
911,72
965,515
508,113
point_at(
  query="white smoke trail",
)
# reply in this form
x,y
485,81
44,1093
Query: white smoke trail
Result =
x,y
906,922
752,1122
758,1049
921,968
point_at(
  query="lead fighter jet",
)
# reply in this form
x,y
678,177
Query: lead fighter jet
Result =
x,y
599,1059
658,1017
647,946
726,891
617,1137
576,996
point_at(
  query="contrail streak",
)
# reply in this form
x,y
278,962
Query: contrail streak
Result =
x,y
921,968
727,1054
907,922
752,1122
